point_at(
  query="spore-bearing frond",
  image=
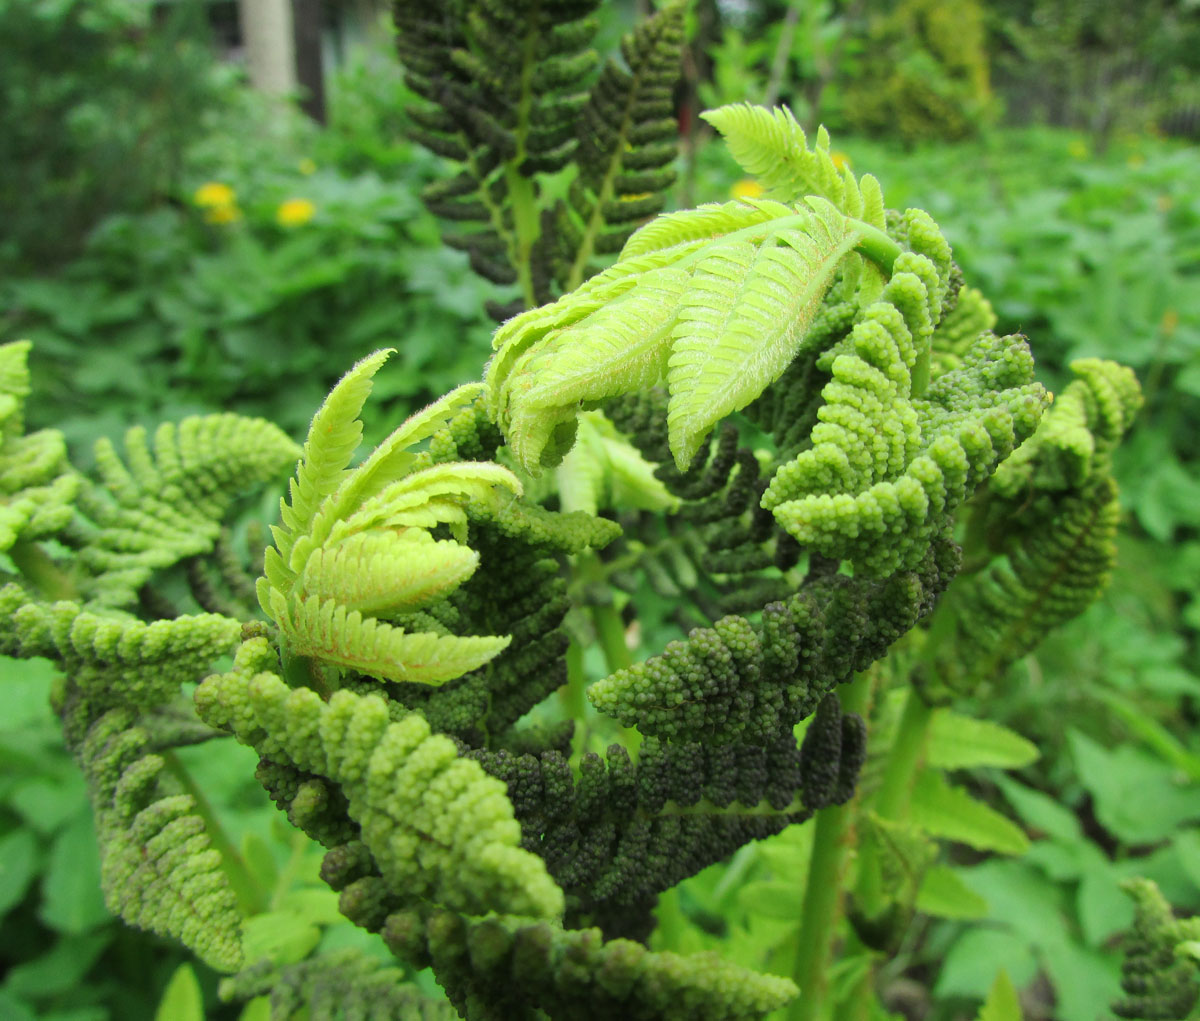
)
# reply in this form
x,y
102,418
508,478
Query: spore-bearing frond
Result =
x,y
158,868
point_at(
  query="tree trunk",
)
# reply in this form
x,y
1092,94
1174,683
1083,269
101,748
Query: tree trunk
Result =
x,y
270,50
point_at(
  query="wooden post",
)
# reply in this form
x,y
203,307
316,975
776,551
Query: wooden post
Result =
x,y
270,50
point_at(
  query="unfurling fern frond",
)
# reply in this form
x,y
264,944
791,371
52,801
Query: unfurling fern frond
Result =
x,y
771,145
1159,973
157,865
626,330
158,507
438,826
1051,514
354,546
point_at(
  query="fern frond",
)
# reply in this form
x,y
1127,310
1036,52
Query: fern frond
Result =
x,y
701,224
157,864
627,144
743,321
1158,980
158,507
771,145
328,631
374,573
112,656
334,435
439,828
347,984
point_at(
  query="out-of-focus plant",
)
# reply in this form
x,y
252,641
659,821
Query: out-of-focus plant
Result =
x,y
97,106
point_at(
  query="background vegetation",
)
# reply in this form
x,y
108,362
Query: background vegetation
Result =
x,y
174,243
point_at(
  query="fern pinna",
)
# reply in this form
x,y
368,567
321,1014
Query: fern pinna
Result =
x,y
791,399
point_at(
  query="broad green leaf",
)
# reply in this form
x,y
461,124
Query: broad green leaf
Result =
x,y
969,967
956,741
945,895
772,899
743,320
182,999
1002,1003
283,937
947,811
60,969
1041,812
1119,780
258,1009
71,897
18,866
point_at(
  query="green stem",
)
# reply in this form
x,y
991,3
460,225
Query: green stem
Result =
x,y
892,798
822,912
250,898
38,567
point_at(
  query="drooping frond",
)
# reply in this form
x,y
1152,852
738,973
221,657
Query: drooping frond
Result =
x,y
440,829
157,864
1053,513
771,145
112,656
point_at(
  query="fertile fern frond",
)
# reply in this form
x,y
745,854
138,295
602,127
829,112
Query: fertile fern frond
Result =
x,y
340,985
354,546
158,868
158,507
1159,982
627,135
771,145
1052,511
111,656
438,826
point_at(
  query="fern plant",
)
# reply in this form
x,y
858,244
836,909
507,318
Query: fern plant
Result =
x,y
793,399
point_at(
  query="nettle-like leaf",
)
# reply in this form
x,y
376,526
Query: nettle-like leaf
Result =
x,y
354,546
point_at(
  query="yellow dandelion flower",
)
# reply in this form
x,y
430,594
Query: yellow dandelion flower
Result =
x,y
1170,322
223,212
295,212
1135,160
746,188
307,166
840,160
1078,149
1163,202
212,194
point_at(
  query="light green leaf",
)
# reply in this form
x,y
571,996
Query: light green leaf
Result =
x,y
71,897
969,967
743,320
1041,812
283,937
701,224
182,999
326,631
945,895
772,899
947,811
1002,1003
18,866
258,1009
379,571
962,742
